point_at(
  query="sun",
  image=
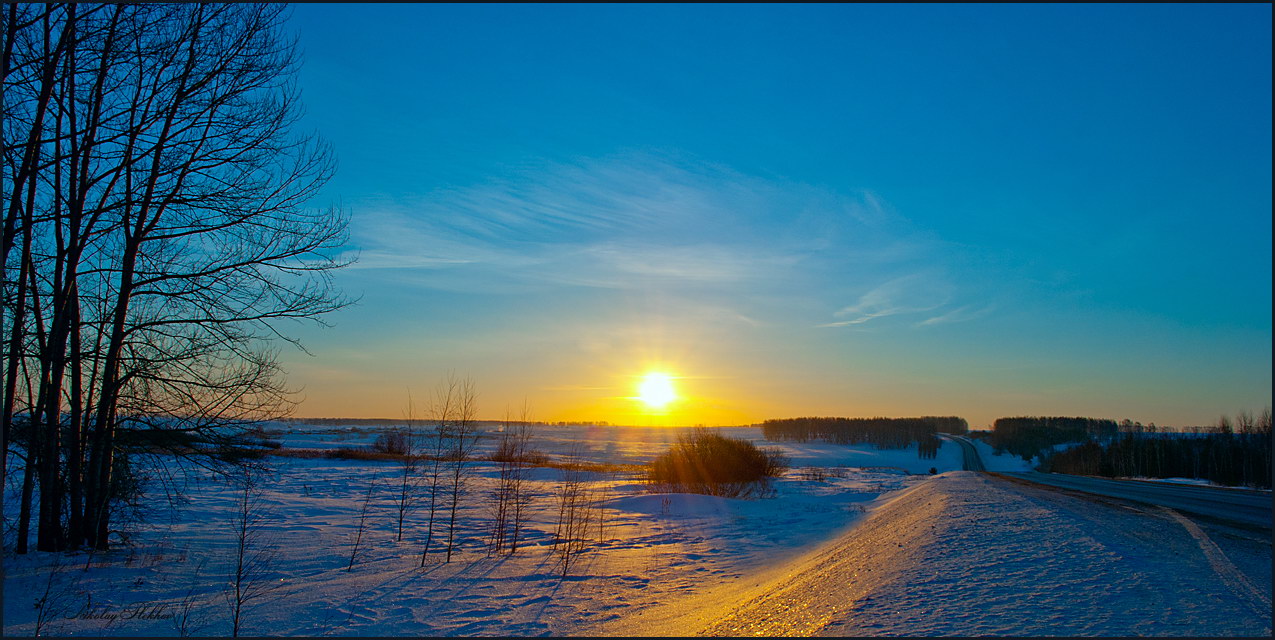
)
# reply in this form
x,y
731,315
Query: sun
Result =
x,y
656,390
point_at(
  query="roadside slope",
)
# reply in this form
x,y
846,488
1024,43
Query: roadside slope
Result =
x,y
969,555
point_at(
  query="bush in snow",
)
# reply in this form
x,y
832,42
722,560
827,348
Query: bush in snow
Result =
x,y
705,462
396,442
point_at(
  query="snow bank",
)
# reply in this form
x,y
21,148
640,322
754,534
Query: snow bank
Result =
x,y
966,555
1004,462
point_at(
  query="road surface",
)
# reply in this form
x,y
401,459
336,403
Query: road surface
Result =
x,y
1240,505
1249,507
971,460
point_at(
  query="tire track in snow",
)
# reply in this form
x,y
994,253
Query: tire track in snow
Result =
x,y
1225,569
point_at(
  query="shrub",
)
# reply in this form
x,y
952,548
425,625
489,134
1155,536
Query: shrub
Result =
x,y
705,462
394,442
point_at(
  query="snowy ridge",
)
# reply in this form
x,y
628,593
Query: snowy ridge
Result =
x,y
772,602
967,555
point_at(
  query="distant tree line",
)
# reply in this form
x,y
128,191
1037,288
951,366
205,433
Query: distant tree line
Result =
x,y
402,422
1029,437
362,422
1229,453
885,433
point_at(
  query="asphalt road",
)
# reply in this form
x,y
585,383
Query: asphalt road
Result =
x,y
1239,505
1243,506
972,462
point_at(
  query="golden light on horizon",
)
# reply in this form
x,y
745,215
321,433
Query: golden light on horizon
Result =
x,y
656,390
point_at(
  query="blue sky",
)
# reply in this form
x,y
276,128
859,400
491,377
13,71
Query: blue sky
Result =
x,y
850,210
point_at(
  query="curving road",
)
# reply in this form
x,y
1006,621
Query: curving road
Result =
x,y
1244,506
971,462
1240,505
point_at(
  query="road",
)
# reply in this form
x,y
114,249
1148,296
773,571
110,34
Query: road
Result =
x,y
1243,506
972,462
1238,505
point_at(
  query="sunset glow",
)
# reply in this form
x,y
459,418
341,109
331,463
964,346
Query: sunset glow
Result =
x,y
561,236
594,320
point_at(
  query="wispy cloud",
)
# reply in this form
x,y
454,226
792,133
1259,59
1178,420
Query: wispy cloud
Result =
x,y
962,314
702,232
910,294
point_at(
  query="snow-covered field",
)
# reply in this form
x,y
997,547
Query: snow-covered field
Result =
x,y
851,541
652,549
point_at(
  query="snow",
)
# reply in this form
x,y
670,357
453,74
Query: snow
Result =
x,y
928,555
1001,462
1193,481
966,555
654,547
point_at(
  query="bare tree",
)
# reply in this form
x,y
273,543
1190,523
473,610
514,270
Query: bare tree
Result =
x,y
502,495
510,498
57,597
1262,426
362,524
460,455
186,619
577,510
254,553
405,497
154,240
442,408
520,487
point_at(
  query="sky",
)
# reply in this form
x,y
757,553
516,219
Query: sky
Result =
x,y
854,210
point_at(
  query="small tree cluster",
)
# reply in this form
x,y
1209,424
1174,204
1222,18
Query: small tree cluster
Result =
x,y
397,442
450,460
579,510
511,498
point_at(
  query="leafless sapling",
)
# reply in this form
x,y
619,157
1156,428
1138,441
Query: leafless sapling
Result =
x,y
576,505
254,552
361,527
56,597
511,497
464,436
442,407
405,496
187,619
